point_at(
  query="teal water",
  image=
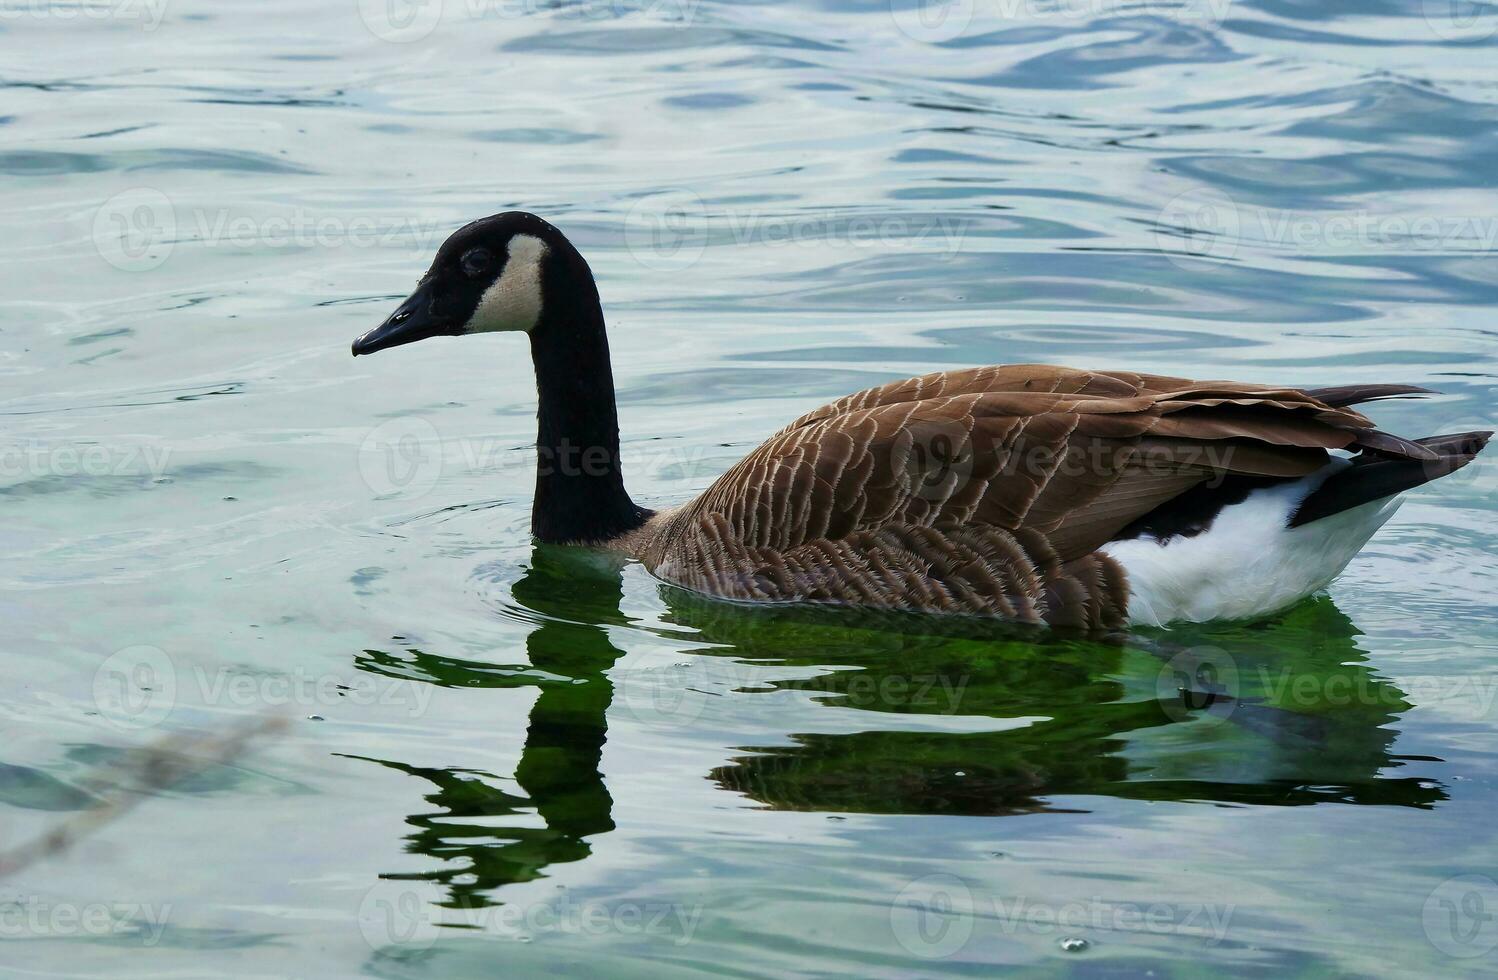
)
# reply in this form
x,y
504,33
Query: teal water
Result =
x,y
501,759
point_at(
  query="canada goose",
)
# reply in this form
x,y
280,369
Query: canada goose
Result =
x,y
1028,492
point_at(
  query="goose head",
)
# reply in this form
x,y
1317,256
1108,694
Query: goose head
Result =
x,y
515,273
505,273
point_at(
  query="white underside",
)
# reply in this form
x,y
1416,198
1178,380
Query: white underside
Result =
x,y
1248,563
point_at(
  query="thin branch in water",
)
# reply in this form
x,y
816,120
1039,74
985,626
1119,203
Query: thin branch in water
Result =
x,y
161,765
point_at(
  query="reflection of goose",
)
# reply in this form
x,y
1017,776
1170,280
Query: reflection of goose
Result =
x,y
1109,720
1027,492
558,772
1296,718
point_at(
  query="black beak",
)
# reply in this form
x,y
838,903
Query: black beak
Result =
x,y
414,320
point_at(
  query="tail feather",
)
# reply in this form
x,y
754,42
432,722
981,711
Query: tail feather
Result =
x,y
1340,396
1373,476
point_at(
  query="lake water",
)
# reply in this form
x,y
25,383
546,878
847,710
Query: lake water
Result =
x,y
500,759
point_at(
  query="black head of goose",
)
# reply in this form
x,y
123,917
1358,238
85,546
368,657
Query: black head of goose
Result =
x,y
1029,492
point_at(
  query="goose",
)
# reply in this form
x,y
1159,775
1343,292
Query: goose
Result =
x,y
1032,493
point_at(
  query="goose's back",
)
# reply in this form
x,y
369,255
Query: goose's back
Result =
x,y
985,491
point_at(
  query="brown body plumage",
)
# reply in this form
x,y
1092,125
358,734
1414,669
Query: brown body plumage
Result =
x,y
986,491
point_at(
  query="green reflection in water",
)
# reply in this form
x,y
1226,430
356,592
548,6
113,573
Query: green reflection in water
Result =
x,y
1285,712
558,771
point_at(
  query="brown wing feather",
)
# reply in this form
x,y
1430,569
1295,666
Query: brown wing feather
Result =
x,y
988,490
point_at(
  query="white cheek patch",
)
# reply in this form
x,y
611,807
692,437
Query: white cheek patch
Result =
x,y
513,302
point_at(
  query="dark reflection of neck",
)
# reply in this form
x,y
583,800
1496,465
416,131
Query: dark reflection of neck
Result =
x,y
558,773
1105,719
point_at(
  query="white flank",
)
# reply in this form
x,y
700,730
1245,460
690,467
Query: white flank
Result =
x,y
513,302
1248,563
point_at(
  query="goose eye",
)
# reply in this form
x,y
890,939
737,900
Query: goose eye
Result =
x,y
476,261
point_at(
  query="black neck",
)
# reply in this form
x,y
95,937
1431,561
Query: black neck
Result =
x,y
580,494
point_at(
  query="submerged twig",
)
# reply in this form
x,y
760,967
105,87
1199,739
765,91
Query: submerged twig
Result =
x,y
161,765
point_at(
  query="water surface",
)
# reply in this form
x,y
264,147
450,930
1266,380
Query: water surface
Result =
x,y
503,758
